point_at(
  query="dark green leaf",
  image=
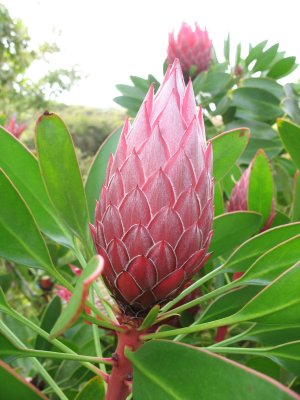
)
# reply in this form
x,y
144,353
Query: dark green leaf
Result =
x,y
290,136
253,248
94,389
229,181
267,84
255,52
74,308
60,171
232,229
20,238
150,317
265,59
260,103
97,170
166,370
21,167
296,198
218,200
50,316
131,91
282,67
227,148
132,104
14,386
260,190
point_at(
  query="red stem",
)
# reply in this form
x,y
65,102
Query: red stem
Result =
x,y
119,383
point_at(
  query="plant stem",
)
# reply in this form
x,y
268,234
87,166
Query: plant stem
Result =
x,y
121,376
56,342
97,342
191,288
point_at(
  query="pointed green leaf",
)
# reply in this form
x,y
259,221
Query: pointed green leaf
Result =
x,y
282,67
226,50
296,198
260,191
253,248
14,386
166,370
150,318
60,171
4,306
265,59
20,238
74,308
290,136
21,167
218,200
97,170
255,52
273,263
277,303
232,229
92,390
49,318
227,148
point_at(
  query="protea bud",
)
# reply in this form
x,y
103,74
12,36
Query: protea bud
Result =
x,y
239,197
153,221
14,128
192,48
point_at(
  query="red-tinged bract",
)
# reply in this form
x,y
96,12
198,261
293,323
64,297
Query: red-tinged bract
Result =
x,y
239,197
14,128
193,48
153,222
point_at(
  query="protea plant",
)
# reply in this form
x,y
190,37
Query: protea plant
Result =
x,y
239,196
193,49
153,222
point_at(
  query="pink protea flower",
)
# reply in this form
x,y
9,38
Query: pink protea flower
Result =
x,y
154,217
192,48
239,197
14,128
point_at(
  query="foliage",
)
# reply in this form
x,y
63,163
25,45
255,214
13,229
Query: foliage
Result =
x,y
66,351
18,91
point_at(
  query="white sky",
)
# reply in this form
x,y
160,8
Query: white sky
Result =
x,y
110,40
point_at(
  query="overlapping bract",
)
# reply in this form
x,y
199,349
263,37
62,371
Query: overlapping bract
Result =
x,y
192,47
154,218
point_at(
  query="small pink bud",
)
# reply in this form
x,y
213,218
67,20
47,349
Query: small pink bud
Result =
x,y
153,221
192,48
14,128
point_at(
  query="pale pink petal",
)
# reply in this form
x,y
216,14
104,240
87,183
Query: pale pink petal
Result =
x,y
134,209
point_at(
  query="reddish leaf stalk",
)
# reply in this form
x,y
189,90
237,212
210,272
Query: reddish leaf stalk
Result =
x,y
119,383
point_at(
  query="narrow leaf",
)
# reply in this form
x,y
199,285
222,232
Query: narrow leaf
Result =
x,y
290,136
60,171
296,198
74,308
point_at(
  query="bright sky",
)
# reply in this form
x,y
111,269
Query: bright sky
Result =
x,y
110,40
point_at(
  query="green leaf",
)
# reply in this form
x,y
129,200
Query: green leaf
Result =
x,y
20,238
218,200
132,104
92,390
4,306
282,68
290,136
131,91
150,318
60,171
255,52
226,50
267,84
253,248
14,386
273,263
260,190
21,167
227,148
216,82
277,303
74,308
265,59
296,198
97,170
272,334
50,316
232,229
229,181
261,104
141,83
229,303
166,370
